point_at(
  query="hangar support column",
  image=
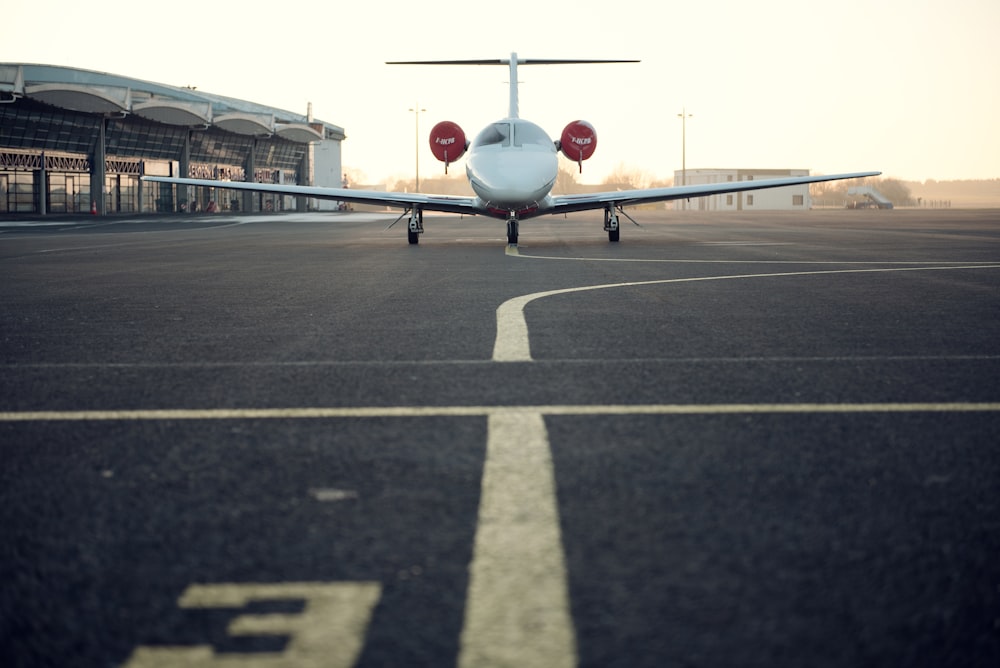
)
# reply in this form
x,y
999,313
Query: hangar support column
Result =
x,y
43,187
251,176
305,179
184,167
98,171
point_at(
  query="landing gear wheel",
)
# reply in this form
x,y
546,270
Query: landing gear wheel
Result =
x,y
512,232
416,226
611,224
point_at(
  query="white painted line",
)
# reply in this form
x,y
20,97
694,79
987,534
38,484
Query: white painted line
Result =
x,y
942,263
512,344
517,610
388,364
745,243
473,411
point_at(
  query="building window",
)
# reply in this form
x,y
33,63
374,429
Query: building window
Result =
x,y
798,200
18,189
729,200
749,200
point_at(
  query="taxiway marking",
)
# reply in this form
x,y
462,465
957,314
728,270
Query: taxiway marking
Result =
x,y
485,411
513,250
512,343
517,610
328,633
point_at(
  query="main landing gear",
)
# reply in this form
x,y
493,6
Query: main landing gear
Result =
x,y
416,226
611,223
512,230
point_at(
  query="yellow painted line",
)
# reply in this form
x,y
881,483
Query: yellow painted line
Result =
x,y
512,344
476,411
517,610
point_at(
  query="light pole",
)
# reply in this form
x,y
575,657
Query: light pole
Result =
x,y
416,129
684,116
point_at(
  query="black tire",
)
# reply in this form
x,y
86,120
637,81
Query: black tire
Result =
x,y
512,232
413,237
613,235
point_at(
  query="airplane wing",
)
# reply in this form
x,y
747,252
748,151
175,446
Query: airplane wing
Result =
x,y
568,203
443,203
473,205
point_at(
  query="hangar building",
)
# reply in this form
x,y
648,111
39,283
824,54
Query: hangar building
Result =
x,y
74,140
790,198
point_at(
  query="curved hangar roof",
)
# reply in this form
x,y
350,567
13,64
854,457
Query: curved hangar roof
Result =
x,y
100,93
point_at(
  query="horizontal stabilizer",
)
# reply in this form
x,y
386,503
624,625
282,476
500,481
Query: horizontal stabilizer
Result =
x,y
506,61
512,63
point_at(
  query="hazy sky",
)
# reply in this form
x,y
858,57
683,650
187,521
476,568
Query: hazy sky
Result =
x,y
911,88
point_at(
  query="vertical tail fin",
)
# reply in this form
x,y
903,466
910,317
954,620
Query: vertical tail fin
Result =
x,y
512,111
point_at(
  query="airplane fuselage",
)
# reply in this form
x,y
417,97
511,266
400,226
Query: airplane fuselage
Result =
x,y
512,166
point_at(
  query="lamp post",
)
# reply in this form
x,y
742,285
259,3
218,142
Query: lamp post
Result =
x,y
684,116
416,128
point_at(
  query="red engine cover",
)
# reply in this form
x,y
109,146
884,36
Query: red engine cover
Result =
x,y
578,141
448,142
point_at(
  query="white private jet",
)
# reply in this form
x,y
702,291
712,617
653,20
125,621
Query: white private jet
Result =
x,y
512,167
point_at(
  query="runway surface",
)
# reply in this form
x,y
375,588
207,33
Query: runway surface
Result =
x,y
294,440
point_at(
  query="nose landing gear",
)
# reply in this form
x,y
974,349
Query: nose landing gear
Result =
x,y
512,225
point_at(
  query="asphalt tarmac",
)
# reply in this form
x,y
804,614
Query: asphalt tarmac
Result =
x,y
764,439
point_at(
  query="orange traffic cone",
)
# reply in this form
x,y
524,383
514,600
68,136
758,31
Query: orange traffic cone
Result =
x,y
93,207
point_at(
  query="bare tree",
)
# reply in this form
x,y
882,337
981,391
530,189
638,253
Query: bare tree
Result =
x,y
627,178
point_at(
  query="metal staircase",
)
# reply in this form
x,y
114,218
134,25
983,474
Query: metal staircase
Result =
x,y
873,196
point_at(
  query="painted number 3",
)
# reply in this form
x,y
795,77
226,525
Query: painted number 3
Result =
x,y
329,631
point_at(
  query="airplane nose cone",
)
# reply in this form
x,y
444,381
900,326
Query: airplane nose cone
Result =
x,y
512,179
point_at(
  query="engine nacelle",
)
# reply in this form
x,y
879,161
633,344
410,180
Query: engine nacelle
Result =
x,y
578,141
448,142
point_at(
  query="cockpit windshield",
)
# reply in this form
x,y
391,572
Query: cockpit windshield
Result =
x,y
497,133
517,133
529,133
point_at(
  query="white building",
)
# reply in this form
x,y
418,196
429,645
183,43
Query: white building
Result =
x,y
789,198
327,171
